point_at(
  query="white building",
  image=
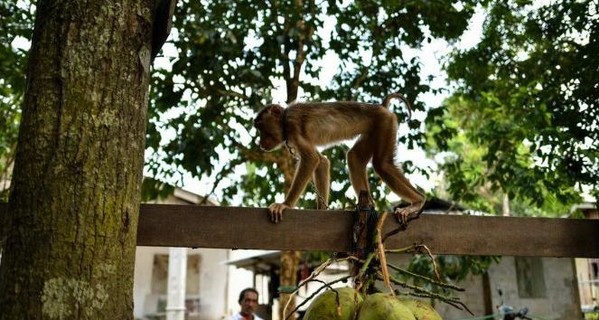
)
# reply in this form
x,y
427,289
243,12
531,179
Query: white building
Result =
x,y
211,286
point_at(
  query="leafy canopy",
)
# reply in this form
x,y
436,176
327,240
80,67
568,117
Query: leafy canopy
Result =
x,y
525,116
231,56
16,25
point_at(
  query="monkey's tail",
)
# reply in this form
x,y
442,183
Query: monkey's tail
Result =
x,y
402,98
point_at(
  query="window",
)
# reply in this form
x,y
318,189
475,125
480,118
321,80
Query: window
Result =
x,y
531,277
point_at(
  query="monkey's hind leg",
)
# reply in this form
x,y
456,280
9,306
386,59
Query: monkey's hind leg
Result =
x,y
384,164
357,159
322,180
409,213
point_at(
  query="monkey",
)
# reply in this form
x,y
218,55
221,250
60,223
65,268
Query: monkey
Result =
x,y
304,126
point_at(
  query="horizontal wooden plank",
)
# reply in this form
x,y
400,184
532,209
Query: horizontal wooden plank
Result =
x,y
249,228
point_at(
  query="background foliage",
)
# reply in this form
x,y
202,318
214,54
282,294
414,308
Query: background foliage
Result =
x,y
522,119
232,55
16,23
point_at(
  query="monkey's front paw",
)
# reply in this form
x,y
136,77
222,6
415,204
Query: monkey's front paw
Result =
x,y
276,211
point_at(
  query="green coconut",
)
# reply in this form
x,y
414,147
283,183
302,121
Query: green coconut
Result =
x,y
384,306
420,309
324,306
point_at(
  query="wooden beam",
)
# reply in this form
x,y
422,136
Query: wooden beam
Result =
x,y
249,228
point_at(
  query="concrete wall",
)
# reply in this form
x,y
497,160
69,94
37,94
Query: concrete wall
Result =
x,y
561,300
473,297
561,291
239,279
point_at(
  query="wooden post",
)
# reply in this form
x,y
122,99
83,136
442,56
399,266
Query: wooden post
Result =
x,y
363,231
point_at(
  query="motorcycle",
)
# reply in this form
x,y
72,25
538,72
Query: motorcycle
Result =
x,y
507,312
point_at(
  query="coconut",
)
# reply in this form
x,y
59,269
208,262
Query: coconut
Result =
x,y
384,306
324,306
420,309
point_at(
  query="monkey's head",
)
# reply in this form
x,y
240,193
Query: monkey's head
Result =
x,y
268,123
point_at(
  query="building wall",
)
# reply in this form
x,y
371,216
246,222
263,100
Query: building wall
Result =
x,y
560,299
239,279
209,283
561,291
472,297
213,283
588,269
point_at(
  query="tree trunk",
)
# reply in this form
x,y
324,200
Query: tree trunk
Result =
x,y
75,192
290,260
505,205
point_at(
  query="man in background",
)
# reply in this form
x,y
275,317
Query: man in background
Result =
x,y
248,300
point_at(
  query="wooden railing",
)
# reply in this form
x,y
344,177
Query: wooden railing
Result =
x,y
249,228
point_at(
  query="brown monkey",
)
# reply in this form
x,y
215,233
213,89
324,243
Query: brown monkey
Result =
x,y
304,126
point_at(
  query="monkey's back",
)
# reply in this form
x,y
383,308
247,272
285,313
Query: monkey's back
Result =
x,y
324,123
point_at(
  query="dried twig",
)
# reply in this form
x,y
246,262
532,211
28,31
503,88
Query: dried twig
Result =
x,y
312,277
429,294
454,302
435,267
419,248
381,251
325,285
432,281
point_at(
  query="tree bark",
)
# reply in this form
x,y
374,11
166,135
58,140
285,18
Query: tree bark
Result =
x,y
75,192
290,260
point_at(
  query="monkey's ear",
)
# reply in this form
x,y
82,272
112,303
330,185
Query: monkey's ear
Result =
x,y
275,109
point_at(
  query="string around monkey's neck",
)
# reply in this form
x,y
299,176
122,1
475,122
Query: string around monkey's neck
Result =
x,y
284,125
285,135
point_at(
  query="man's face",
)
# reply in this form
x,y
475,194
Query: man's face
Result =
x,y
249,303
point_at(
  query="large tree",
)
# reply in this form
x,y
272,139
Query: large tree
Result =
x,y
75,190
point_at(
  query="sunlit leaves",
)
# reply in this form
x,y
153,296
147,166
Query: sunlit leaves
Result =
x,y
528,95
16,25
230,55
